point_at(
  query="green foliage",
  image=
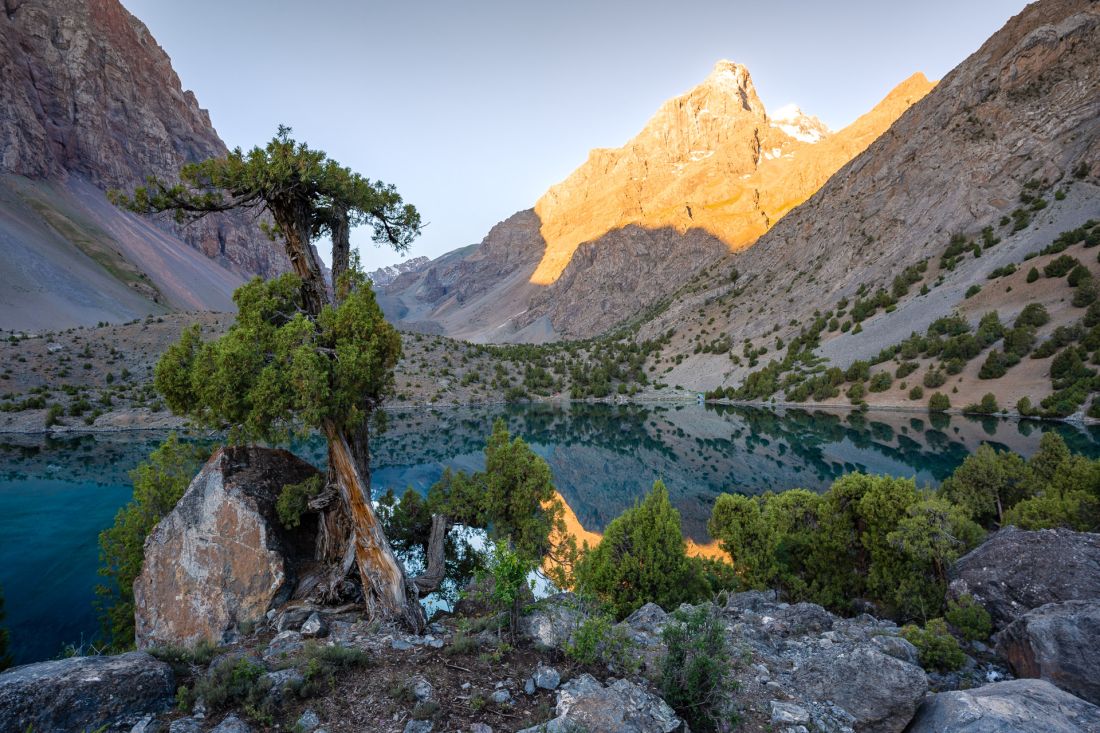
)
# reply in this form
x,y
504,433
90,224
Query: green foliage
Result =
x,y
284,176
916,393
514,500
159,482
987,483
1032,275
599,641
276,368
294,500
696,676
939,402
870,537
930,537
641,558
1060,266
1033,314
987,406
973,290
53,414
994,367
236,682
937,649
509,571
969,618
880,382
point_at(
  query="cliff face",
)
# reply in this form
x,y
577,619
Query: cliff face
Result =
x,y
1024,107
708,174
710,159
89,101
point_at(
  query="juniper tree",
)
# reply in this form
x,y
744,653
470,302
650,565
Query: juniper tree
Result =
x,y
300,353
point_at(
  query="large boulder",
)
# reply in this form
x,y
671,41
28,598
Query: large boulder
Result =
x,y
879,691
621,707
222,557
1015,571
1058,642
85,693
1018,706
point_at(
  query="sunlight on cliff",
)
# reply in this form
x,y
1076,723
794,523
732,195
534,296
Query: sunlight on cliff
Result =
x,y
703,162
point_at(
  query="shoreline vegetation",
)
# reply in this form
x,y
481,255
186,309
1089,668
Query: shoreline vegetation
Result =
x,y
169,422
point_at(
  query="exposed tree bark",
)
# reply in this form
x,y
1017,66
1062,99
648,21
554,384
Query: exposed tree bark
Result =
x,y
433,575
340,229
381,573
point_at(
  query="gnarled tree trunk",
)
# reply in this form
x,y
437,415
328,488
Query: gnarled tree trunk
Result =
x,y
384,581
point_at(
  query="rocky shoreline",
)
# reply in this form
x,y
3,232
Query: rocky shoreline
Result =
x,y
224,599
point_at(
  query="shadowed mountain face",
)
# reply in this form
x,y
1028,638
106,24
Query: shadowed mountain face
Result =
x,y
1024,107
710,173
89,101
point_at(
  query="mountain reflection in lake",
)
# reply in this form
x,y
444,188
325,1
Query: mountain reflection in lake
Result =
x,y
57,493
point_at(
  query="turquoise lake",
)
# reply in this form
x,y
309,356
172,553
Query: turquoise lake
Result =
x,y
58,493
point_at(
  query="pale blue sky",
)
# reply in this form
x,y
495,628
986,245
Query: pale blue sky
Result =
x,y
473,108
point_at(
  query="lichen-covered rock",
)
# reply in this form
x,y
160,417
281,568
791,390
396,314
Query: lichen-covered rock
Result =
x,y
1017,706
879,691
1058,642
552,622
621,707
84,693
1015,571
222,557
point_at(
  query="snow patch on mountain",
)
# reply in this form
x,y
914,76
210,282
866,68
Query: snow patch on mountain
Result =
x,y
799,125
383,276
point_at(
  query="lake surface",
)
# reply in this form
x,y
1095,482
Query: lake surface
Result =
x,y
57,494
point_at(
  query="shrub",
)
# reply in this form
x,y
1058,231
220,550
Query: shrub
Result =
x,y
599,640
1033,314
994,367
880,382
509,571
973,290
969,618
53,415
294,499
1060,266
937,649
987,406
1086,293
934,378
856,392
235,682
641,558
939,402
1032,275
697,670
916,393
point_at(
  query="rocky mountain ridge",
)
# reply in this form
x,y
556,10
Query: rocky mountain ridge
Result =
x,y
1017,121
88,102
709,173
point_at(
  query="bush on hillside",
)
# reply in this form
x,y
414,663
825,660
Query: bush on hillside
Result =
x,y
937,649
696,676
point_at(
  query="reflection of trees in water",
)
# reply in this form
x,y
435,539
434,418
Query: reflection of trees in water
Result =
x,y
606,455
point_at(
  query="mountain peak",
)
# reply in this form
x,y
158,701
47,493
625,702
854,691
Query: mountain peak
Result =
x,y
794,122
733,78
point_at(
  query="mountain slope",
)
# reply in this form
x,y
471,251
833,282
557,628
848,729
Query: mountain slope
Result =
x,y
89,101
709,173
1016,122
